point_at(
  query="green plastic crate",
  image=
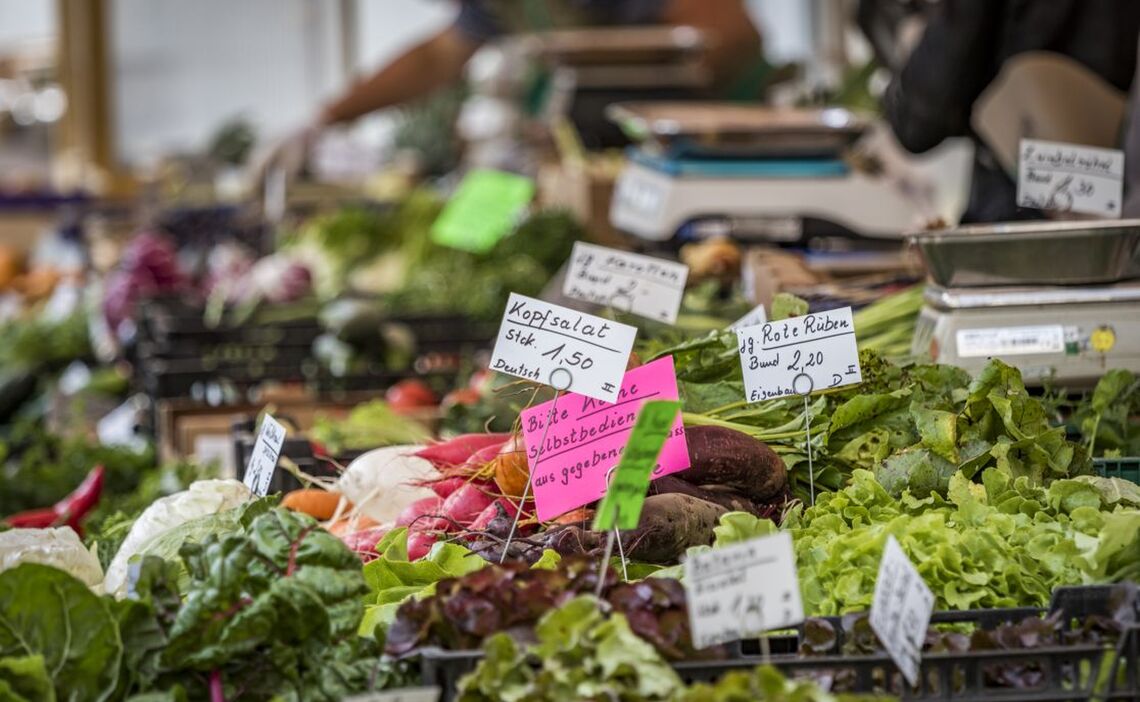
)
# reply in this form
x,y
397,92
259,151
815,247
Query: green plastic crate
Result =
x,y
1127,468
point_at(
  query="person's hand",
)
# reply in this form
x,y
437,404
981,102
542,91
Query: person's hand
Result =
x,y
287,155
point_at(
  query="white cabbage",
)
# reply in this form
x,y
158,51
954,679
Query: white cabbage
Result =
x,y
58,547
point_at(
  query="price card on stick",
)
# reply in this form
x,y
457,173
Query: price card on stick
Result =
x,y
646,286
900,610
562,348
263,461
754,317
621,506
571,454
742,590
799,355
1070,178
483,210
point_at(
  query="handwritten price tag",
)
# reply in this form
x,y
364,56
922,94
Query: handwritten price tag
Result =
x,y
263,461
483,210
626,492
646,286
742,590
565,349
799,355
586,438
1069,177
756,316
900,610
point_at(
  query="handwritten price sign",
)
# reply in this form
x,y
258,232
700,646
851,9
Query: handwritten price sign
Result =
x,y
799,355
562,348
263,460
900,610
1070,178
646,286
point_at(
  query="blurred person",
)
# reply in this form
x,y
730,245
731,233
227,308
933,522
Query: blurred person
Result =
x,y
733,59
963,49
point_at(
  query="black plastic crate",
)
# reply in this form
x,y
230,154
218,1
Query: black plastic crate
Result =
x,y
296,449
1068,672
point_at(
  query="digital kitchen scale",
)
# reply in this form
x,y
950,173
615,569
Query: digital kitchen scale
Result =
x,y
1054,299
753,173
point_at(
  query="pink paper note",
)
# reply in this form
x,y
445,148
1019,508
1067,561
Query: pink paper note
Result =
x,y
587,436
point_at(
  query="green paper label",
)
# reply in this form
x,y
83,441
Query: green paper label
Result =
x,y
626,493
483,210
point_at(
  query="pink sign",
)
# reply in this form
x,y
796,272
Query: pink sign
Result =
x,y
586,438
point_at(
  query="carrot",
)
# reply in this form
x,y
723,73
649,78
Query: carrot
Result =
x,y
319,504
732,459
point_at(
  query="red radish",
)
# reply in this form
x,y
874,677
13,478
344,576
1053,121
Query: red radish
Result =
x,y
486,516
364,542
462,396
483,456
445,486
480,379
465,504
410,394
426,505
455,452
419,544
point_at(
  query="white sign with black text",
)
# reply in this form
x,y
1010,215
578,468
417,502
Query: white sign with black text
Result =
x,y
646,286
1070,178
799,355
263,460
900,610
742,590
756,316
562,348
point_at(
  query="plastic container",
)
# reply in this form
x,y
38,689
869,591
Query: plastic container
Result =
x,y
1127,468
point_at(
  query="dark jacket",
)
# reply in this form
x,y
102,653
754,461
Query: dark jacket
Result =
x,y
965,45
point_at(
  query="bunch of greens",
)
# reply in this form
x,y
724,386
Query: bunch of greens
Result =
x,y
914,425
463,612
1107,417
369,425
1001,543
269,611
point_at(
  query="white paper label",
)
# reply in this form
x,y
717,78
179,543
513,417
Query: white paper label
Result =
x,y
900,610
406,694
756,316
564,349
263,461
646,286
1010,341
800,355
1070,178
742,590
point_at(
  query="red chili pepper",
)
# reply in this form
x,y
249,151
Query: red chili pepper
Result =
x,y
70,510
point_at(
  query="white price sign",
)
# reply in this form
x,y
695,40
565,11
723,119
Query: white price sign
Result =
x,y
646,286
900,610
1010,341
406,694
799,355
756,316
1069,177
263,461
565,349
742,590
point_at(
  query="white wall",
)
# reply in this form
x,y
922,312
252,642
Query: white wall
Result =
x,y
182,68
24,21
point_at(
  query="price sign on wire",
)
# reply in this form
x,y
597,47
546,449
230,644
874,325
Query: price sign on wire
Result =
x,y
562,348
900,610
621,506
756,316
799,355
263,461
571,447
646,286
483,210
1070,178
742,590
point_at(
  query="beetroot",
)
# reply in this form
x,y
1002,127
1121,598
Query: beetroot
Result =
x,y
493,510
734,460
465,504
419,544
455,452
426,505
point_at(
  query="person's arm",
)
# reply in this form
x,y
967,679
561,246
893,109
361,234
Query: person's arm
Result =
x,y
932,97
733,38
433,63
